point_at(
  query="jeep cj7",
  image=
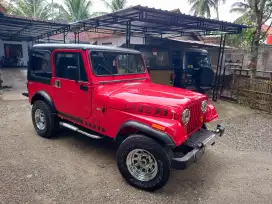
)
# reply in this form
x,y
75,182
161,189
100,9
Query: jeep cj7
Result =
x,y
103,92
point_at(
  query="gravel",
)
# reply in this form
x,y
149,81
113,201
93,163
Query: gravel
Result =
x,y
74,169
250,133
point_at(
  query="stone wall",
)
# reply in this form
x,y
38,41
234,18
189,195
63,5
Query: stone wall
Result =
x,y
264,66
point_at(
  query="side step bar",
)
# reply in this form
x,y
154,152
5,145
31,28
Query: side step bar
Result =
x,y
25,94
76,129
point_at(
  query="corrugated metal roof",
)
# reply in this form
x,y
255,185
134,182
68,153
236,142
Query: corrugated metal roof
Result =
x,y
28,29
155,21
201,43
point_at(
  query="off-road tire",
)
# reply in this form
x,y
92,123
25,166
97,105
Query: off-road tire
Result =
x,y
158,152
51,119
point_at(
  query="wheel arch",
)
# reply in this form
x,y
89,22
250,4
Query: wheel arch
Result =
x,y
132,127
44,96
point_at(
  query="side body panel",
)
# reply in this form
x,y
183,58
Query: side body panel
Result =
x,y
69,97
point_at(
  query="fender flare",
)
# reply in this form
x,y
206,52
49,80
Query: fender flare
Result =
x,y
155,134
45,96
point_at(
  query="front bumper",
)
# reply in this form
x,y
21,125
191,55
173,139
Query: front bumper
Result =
x,y
196,143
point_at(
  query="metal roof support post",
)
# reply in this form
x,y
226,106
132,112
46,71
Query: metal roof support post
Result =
x,y
78,38
128,34
75,37
144,40
64,37
221,64
217,68
48,39
224,72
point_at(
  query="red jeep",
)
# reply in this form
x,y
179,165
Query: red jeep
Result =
x,y
106,92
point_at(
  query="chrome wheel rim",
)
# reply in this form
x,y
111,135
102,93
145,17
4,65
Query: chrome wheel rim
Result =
x,y
142,165
40,119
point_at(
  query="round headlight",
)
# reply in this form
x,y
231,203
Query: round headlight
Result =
x,y
185,116
204,106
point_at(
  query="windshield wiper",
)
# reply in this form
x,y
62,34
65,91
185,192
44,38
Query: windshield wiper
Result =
x,y
110,72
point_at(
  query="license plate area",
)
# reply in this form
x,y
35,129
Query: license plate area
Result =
x,y
200,139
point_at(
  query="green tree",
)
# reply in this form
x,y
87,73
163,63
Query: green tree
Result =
x,y
115,5
38,9
75,10
203,7
244,39
217,5
256,13
5,4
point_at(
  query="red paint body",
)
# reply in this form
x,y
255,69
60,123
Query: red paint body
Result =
x,y
125,98
269,40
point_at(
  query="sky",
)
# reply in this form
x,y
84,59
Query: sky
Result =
x,y
184,7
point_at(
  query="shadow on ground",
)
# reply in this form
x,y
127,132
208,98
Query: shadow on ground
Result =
x,y
196,179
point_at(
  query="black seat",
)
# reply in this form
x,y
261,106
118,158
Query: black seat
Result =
x,y
63,63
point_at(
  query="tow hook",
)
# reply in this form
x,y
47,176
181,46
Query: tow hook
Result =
x,y
220,130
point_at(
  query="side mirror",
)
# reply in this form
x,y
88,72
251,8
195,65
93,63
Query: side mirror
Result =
x,y
72,73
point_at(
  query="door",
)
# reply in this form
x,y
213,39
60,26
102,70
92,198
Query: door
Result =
x,y
72,95
177,67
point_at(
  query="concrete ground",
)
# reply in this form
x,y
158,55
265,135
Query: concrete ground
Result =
x,y
14,79
75,169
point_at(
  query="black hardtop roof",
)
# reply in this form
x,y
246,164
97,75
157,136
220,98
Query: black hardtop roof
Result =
x,y
85,47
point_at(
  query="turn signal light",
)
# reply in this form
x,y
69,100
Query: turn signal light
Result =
x,y
159,127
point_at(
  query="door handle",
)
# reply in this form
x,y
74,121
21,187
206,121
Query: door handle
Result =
x,y
83,88
57,84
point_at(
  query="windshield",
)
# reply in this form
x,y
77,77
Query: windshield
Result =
x,y
196,60
115,63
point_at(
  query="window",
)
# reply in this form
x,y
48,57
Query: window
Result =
x,y
40,63
64,62
157,59
162,59
116,63
13,50
196,60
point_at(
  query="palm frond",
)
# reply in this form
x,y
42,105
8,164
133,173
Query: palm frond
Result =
x,y
115,5
77,9
202,7
107,4
238,10
240,5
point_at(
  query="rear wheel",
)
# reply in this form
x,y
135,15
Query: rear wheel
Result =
x,y
44,119
143,162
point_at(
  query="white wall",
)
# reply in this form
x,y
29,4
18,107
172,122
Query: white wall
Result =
x,y
119,40
24,48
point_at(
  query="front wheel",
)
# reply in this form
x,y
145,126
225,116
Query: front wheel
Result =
x,y
143,162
